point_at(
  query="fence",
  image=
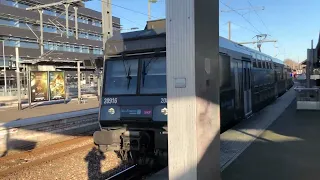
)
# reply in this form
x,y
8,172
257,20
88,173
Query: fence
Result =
x,y
308,98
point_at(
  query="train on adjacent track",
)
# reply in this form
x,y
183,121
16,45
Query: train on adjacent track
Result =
x,y
133,112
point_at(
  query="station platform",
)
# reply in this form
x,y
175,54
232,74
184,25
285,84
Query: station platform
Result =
x,y
279,142
44,109
288,149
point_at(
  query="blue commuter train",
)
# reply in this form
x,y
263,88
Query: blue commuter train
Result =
x,y
133,114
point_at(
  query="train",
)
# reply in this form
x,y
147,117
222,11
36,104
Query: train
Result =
x,y
133,109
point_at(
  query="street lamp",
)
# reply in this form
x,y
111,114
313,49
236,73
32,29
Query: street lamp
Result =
x,y
149,8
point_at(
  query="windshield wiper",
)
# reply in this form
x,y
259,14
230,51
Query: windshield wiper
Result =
x,y
129,77
145,70
128,74
144,73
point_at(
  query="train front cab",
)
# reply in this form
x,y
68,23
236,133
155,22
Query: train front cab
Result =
x,y
133,113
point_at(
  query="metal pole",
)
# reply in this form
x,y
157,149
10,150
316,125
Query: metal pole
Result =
x,y
309,54
24,79
29,86
149,10
229,25
41,31
99,84
67,19
18,78
4,69
79,83
76,20
65,88
312,60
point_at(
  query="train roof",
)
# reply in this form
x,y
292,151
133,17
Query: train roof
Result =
x,y
225,43
156,39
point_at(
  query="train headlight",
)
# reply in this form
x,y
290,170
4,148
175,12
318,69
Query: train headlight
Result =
x,y
164,111
111,111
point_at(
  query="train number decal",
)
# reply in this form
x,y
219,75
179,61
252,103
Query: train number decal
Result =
x,y
110,100
163,101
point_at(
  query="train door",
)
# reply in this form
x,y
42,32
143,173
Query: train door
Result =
x,y
276,82
237,79
246,68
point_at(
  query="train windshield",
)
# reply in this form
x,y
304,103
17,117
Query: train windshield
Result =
x,y
153,77
121,77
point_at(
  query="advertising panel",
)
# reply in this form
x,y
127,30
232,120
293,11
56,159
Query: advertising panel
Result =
x,y
39,86
57,85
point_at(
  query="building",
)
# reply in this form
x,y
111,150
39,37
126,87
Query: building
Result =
x,y
60,52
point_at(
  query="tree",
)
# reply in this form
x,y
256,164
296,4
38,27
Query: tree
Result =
x,y
291,63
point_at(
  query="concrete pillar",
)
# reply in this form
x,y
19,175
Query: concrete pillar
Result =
x,y
67,19
192,41
18,78
106,21
41,31
76,20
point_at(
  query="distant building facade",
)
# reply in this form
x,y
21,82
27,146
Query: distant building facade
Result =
x,y
61,52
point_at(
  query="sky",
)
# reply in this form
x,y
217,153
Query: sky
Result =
x,y
293,23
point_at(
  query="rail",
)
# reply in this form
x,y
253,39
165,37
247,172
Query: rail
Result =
x,y
135,172
39,129
125,174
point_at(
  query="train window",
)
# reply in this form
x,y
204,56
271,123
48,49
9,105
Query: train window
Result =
x,y
153,78
249,78
265,64
262,61
121,77
245,79
254,64
225,71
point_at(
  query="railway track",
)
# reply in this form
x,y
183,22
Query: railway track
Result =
x,y
16,162
135,172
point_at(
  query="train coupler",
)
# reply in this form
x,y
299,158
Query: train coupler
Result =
x,y
135,141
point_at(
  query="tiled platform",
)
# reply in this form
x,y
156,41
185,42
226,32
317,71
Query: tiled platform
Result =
x,y
237,140
287,150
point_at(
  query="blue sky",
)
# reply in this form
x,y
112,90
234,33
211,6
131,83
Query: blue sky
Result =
x,y
292,22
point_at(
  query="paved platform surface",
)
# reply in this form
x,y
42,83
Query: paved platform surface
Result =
x,y
11,101
288,149
11,114
238,139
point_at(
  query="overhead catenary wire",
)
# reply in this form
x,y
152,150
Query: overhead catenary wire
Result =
x,y
240,15
134,22
253,31
128,9
259,17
